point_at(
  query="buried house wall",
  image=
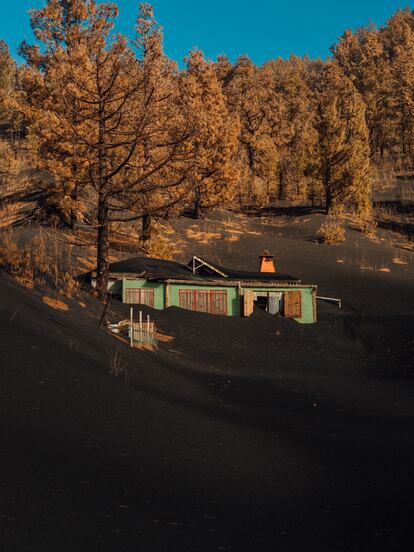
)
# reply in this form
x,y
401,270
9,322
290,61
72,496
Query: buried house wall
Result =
x,y
234,305
308,303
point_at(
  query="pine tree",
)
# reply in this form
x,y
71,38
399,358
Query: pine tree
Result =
x,y
7,80
364,60
246,97
291,125
99,117
214,135
343,142
398,43
164,190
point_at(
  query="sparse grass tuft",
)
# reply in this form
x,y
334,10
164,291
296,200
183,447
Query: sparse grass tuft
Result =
x,y
117,368
39,263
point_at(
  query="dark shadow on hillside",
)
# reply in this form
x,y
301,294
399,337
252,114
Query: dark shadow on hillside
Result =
x,y
394,215
395,206
405,228
283,210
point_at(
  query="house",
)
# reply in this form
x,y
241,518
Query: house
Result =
x,y
207,287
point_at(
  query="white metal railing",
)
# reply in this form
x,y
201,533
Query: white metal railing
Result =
x,y
336,300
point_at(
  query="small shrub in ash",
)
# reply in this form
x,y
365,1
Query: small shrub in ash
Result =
x,y
331,232
368,226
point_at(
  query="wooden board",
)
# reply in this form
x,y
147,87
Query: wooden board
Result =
x,y
292,304
248,302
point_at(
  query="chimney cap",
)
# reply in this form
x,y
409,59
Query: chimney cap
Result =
x,y
266,253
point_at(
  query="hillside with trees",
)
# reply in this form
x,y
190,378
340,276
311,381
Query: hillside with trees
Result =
x,y
157,392
116,133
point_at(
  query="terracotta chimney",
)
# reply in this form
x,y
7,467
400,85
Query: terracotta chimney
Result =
x,y
266,262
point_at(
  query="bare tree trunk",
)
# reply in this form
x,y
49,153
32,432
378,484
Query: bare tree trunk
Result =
x,y
73,215
103,249
198,211
282,186
146,229
73,220
328,191
328,201
103,211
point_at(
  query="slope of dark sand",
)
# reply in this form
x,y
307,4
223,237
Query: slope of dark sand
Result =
x,y
351,271
255,434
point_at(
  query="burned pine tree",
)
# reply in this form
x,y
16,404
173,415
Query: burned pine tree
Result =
x,y
215,134
97,107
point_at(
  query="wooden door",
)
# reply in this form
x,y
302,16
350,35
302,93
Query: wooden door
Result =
x,y
292,304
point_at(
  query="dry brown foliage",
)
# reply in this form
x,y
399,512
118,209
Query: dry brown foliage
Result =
x,y
39,263
332,232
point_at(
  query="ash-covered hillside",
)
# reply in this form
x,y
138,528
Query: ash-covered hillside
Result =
x,y
235,433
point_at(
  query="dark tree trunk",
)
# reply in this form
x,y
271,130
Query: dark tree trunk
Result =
x,y
327,186
282,186
198,211
73,215
103,211
73,219
146,228
103,250
328,201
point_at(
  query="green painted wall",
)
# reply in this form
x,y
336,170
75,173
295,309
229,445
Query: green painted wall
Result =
x,y
158,288
232,302
308,316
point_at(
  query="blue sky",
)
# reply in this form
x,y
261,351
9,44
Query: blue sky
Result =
x,y
262,29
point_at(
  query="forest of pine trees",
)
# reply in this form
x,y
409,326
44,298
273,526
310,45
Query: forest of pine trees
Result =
x,y
124,135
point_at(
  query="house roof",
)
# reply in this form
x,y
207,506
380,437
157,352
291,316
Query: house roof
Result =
x,y
151,268
161,269
208,268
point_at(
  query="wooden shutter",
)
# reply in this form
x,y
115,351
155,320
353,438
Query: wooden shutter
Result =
x,y
202,300
218,301
139,296
247,302
186,299
292,304
210,301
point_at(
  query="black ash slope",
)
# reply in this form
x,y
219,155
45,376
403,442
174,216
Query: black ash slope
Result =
x,y
255,434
